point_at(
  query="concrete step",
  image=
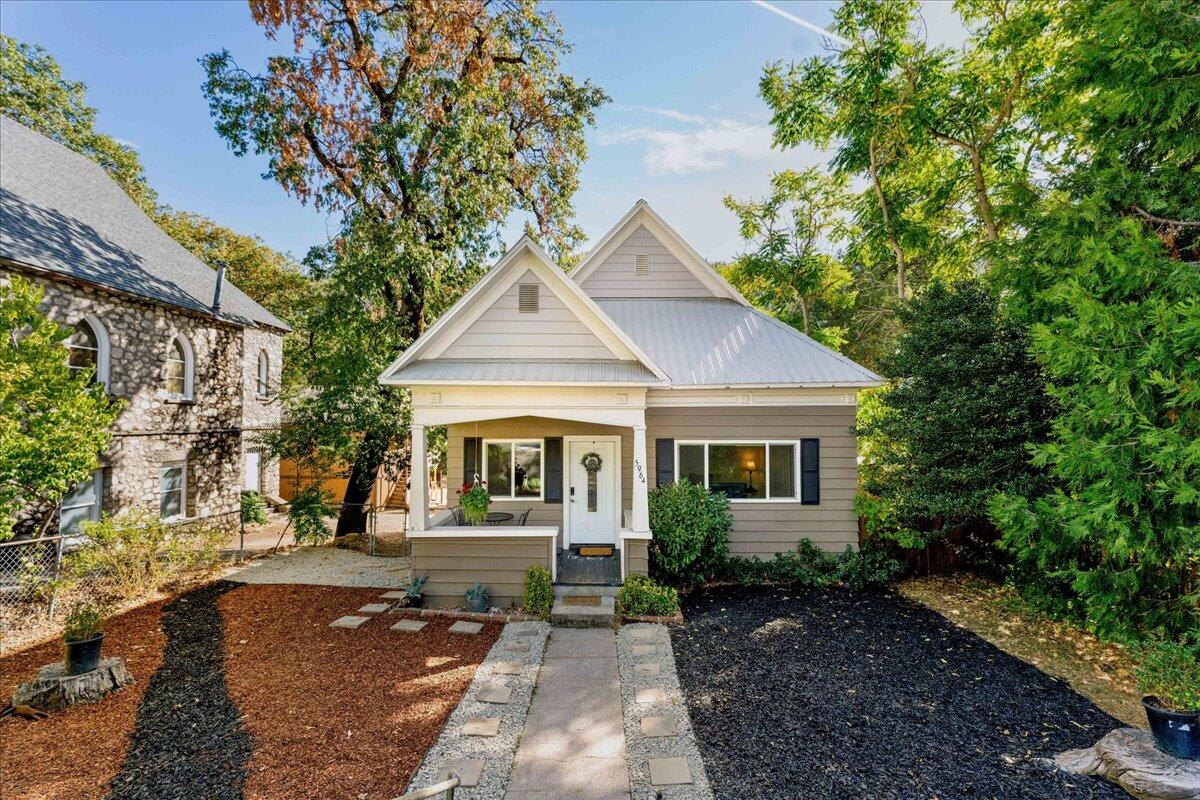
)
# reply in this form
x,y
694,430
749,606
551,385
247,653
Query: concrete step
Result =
x,y
564,615
583,590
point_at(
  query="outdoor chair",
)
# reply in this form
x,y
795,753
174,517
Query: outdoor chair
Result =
x,y
457,513
521,520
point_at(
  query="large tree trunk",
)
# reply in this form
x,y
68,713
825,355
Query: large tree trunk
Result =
x,y
352,518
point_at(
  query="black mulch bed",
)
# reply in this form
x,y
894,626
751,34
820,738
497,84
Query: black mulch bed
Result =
x,y
188,741
831,694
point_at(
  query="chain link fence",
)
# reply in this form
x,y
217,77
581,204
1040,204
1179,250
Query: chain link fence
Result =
x,y
29,569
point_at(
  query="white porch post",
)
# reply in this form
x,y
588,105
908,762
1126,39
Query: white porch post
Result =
x,y
641,503
418,482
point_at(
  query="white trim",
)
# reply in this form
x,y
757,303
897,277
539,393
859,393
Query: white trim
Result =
x,y
766,443
103,346
512,460
484,532
616,439
189,367
183,486
701,396
639,536
643,214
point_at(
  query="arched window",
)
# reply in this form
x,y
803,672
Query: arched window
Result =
x,y
264,373
87,349
180,368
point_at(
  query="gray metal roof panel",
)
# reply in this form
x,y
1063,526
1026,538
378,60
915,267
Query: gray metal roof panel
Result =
x,y
524,371
60,212
717,342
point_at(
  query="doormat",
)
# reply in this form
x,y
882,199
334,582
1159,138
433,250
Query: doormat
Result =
x,y
583,600
595,551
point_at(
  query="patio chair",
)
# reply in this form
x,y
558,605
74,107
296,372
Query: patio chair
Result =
x,y
521,520
457,514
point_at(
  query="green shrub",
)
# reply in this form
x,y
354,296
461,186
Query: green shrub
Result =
x,y
642,597
83,621
539,593
309,509
866,568
1171,672
691,533
254,508
809,565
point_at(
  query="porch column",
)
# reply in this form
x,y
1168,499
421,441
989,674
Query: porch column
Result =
x,y
641,503
418,482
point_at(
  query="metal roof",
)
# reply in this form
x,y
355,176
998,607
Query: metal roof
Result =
x,y
522,371
718,342
61,212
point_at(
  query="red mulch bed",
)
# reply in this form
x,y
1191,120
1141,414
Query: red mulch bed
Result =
x,y
332,713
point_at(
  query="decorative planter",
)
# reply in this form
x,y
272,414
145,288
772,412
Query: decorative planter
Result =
x,y
1175,732
477,604
416,601
84,655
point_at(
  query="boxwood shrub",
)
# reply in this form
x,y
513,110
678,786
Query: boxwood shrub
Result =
x,y
642,597
539,592
691,533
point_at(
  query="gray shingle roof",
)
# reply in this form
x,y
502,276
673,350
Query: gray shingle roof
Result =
x,y
60,212
521,371
718,342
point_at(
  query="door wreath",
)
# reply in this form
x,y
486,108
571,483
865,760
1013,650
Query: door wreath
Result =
x,y
591,462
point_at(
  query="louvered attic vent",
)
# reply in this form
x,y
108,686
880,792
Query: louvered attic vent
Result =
x,y
641,264
527,299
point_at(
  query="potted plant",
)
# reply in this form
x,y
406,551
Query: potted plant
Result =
x,y
414,596
477,598
1169,677
83,637
473,499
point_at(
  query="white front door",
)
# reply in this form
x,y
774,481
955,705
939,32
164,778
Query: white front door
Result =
x,y
253,471
592,516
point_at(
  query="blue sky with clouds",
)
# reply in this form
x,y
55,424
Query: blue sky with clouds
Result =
x,y
685,125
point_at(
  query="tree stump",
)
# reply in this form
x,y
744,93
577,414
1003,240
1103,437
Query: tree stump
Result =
x,y
1128,758
54,689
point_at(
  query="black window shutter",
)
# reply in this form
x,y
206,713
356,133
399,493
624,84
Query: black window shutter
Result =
x,y
664,461
810,472
472,465
552,469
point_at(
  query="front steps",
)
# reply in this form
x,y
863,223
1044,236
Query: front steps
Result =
x,y
565,614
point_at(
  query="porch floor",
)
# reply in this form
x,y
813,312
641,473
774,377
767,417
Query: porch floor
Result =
x,y
589,570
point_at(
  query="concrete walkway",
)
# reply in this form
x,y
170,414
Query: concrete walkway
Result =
x,y
573,745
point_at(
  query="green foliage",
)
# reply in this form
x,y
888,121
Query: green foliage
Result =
x,y
476,592
952,426
1171,672
539,592
53,424
416,587
641,597
135,553
474,500
691,532
809,565
308,510
83,621
254,508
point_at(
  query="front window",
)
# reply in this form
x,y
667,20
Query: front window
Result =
x,y
741,470
83,350
513,469
81,504
172,491
179,369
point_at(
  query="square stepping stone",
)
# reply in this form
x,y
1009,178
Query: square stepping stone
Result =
x,y
409,625
527,632
348,621
496,694
648,696
482,726
395,594
508,668
468,770
642,650
374,608
658,726
642,634
516,647
646,670
669,772
462,626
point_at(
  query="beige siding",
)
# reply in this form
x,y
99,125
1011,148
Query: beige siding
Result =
x,y
636,555
552,333
498,562
615,277
765,528
535,428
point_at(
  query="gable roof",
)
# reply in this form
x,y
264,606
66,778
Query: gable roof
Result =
x,y
717,342
61,213
643,215
525,255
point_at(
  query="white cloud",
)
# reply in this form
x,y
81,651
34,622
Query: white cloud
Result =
x,y
703,144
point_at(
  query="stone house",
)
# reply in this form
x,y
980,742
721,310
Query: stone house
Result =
x,y
195,362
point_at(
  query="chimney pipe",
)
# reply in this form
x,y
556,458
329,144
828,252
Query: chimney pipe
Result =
x,y
216,303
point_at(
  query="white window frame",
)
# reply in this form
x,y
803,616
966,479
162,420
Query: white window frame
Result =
x,y
766,444
183,490
96,479
262,384
189,368
103,346
512,460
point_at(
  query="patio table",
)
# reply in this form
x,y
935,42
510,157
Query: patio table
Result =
x,y
496,517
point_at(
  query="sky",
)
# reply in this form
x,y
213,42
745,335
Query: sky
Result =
x,y
685,125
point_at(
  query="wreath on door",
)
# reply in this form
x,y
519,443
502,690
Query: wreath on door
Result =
x,y
592,462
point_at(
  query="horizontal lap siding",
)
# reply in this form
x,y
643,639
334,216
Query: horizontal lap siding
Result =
x,y
499,563
615,277
535,428
764,529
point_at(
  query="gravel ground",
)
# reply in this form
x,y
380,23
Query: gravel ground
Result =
x,y
639,747
496,751
325,566
831,694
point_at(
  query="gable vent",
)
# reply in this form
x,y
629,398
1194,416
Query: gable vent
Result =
x,y
527,298
641,264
